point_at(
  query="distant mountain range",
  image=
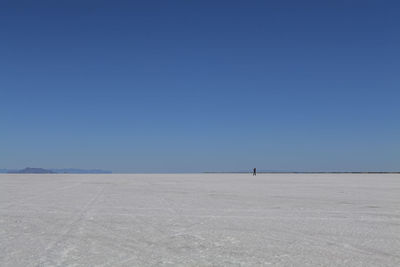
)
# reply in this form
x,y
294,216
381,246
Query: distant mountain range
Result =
x,y
31,170
71,170
41,170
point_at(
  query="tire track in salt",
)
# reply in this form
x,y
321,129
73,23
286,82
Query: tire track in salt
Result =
x,y
70,226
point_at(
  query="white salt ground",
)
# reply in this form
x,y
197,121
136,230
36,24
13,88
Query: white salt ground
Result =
x,y
200,220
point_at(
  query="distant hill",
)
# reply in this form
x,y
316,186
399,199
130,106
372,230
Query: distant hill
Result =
x,y
41,170
32,170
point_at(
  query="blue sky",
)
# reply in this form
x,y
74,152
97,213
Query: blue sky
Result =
x,y
165,86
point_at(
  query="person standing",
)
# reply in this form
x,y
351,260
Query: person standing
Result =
x,y
254,171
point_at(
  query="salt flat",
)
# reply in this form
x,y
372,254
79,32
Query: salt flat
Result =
x,y
200,220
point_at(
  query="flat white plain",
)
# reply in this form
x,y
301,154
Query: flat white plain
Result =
x,y
200,220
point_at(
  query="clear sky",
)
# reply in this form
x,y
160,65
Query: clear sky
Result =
x,y
154,86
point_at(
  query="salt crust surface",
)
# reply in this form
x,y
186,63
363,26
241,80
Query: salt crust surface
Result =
x,y
200,220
